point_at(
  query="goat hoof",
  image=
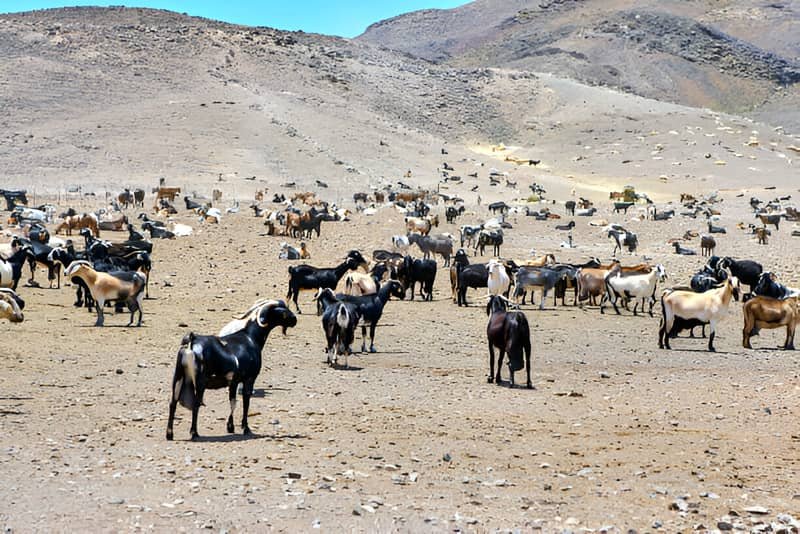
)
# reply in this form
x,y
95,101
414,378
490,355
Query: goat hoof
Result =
x,y
246,431
530,386
195,436
230,428
169,435
372,349
490,380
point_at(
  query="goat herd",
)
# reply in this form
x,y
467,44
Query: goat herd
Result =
x,y
356,291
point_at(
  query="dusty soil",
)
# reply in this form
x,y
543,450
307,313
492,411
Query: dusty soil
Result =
x,y
411,438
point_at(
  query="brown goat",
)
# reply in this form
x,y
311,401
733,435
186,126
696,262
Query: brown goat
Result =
x,y
765,312
77,222
707,245
762,235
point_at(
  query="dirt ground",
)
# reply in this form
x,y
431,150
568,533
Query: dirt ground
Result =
x,y
411,438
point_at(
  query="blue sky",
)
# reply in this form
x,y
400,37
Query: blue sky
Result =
x,y
346,18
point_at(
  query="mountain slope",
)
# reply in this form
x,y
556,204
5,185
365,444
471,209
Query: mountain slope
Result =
x,y
731,56
111,97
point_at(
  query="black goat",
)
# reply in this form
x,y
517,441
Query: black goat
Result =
x,y
768,286
133,235
370,307
683,251
475,275
306,277
339,321
452,213
412,271
502,207
565,227
460,260
747,271
211,362
157,232
716,229
39,254
145,219
570,207
508,331
191,204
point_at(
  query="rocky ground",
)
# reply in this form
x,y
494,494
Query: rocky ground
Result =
x,y
617,434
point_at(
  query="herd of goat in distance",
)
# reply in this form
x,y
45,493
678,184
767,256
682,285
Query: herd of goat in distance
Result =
x,y
355,292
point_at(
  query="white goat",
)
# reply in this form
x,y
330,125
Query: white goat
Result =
x,y
694,309
499,280
636,286
401,243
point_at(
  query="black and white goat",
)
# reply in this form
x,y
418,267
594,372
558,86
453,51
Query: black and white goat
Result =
x,y
339,321
211,362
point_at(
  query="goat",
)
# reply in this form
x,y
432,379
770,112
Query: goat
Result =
x,y
306,277
641,286
72,222
475,275
401,243
509,332
709,307
773,219
747,271
498,282
11,268
628,239
370,308
339,321
452,213
716,229
682,250
469,234
435,244
566,227
487,237
106,287
133,235
357,284
707,245
569,205
460,260
157,232
591,282
762,234
768,286
586,212
423,271
288,252
765,312
211,362
533,277
191,204
11,306
502,207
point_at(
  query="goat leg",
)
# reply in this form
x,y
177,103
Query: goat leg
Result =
x,y
99,304
501,352
195,410
232,398
372,337
491,363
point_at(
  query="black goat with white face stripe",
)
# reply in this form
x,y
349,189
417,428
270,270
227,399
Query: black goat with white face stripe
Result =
x,y
211,362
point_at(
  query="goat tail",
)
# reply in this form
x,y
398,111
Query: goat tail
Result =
x,y
184,385
342,317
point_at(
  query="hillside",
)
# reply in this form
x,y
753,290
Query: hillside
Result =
x,y
728,56
112,97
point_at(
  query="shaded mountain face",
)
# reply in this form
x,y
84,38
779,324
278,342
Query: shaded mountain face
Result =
x,y
731,56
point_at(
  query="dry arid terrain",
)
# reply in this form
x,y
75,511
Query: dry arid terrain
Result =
x,y
617,434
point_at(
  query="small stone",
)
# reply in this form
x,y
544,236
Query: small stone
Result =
x,y
757,510
657,524
294,476
679,505
120,371
116,501
447,457
605,375
724,525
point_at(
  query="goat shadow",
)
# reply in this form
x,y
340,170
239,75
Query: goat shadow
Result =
x,y
507,384
237,437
